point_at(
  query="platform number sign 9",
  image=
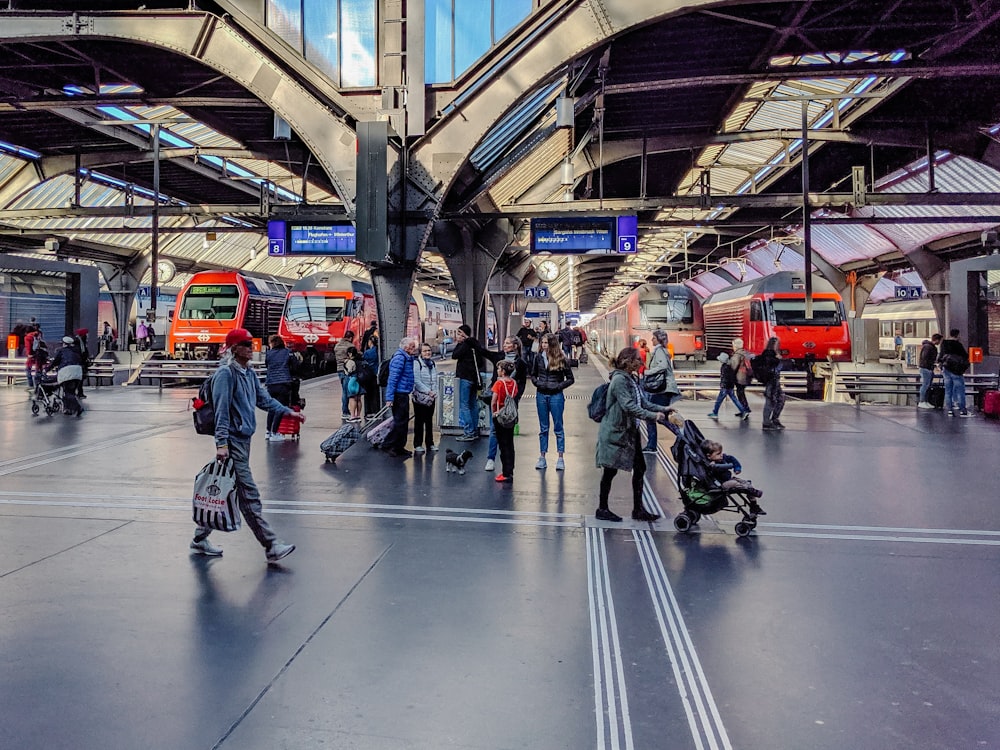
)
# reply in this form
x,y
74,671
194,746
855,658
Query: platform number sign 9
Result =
x,y
627,243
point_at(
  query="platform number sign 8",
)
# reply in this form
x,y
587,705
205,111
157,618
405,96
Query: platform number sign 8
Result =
x,y
275,247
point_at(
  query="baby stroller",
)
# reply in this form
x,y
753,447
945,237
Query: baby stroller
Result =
x,y
700,492
47,395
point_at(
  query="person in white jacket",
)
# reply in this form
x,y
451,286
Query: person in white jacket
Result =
x,y
425,388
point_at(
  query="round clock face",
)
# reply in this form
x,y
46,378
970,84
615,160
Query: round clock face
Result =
x,y
548,270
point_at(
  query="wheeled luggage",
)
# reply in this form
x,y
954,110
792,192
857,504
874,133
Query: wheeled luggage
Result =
x,y
991,404
573,362
289,425
584,358
338,443
378,427
935,396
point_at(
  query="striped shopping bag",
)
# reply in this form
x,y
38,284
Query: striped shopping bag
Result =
x,y
215,505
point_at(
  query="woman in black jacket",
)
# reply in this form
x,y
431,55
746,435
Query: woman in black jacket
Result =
x,y
774,396
551,375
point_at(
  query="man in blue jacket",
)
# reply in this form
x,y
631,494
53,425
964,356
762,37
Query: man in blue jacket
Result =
x,y
397,396
236,390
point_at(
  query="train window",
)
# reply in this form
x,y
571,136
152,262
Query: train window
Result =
x,y
792,312
885,329
210,302
909,329
315,309
667,311
756,311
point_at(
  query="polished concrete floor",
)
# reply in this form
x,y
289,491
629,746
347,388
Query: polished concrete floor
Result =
x,y
431,610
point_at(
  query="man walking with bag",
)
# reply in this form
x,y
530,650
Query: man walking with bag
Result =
x,y
236,390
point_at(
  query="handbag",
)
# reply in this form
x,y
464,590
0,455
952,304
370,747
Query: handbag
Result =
x,y
424,398
214,502
655,382
507,416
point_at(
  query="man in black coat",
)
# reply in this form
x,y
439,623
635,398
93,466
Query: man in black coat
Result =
x,y
471,360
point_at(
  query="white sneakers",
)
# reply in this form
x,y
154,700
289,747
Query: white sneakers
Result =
x,y
274,437
490,464
541,463
560,465
278,550
205,547
925,405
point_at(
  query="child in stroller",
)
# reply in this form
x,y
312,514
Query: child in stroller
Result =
x,y
707,486
47,395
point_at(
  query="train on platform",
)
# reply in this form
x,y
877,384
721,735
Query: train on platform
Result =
x,y
775,305
915,320
674,308
213,303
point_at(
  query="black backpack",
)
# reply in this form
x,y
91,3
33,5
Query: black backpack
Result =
x,y
204,409
761,368
598,405
40,353
383,374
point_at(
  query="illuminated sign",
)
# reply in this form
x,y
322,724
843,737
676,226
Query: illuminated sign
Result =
x,y
588,235
203,290
286,238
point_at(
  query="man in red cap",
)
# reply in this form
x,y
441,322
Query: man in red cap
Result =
x,y
236,390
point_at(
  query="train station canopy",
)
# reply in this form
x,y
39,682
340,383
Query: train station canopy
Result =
x,y
695,116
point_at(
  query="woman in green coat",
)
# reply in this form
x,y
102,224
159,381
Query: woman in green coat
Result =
x,y
618,436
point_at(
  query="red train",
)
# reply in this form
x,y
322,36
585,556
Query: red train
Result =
x,y
775,306
213,303
321,308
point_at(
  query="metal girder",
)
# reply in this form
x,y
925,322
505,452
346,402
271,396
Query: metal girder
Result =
x,y
48,104
201,210
214,43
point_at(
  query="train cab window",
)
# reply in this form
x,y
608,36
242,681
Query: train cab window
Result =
x,y
210,302
667,311
315,309
756,310
792,312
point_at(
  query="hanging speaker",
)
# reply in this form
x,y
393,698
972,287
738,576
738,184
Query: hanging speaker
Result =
x,y
282,130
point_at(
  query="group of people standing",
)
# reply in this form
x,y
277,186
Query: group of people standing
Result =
x,y
953,361
70,362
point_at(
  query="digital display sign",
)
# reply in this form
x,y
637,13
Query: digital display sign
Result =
x,y
291,238
586,235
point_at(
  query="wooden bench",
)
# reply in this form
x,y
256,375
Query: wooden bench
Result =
x,y
177,371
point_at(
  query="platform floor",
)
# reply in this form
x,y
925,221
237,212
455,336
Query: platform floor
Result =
x,y
426,610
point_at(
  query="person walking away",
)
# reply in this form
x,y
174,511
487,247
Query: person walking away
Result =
x,y
511,353
31,346
954,361
774,396
150,337
339,358
551,376
280,363
926,363
659,361
68,365
425,390
566,340
727,382
140,336
740,362
470,357
107,336
80,341
236,392
397,397
503,389
618,435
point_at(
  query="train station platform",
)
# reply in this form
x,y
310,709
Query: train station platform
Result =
x,y
427,610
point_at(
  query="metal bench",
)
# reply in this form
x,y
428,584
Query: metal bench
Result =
x,y
899,389
12,371
180,371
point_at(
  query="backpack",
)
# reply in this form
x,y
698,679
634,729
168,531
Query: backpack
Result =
x,y
383,374
598,405
40,352
577,339
204,409
745,370
760,368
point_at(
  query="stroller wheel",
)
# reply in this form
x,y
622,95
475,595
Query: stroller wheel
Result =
x,y
694,515
34,408
743,529
49,411
682,522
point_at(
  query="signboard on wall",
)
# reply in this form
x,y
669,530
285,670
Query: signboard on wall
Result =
x,y
585,235
295,238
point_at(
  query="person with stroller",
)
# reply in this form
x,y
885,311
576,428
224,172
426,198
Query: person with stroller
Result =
x,y
722,467
660,367
68,364
768,372
727,382
618,447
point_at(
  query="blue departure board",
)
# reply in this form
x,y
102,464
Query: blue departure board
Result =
x,y
290,238
590,235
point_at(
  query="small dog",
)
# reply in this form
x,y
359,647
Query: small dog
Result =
x,y
456,461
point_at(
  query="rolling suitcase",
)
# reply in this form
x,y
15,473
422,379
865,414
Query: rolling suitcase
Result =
x,y
338,443
991,404
584,358
935,396
573,362
290,426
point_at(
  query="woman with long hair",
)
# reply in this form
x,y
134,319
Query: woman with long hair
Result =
x,y
551,375
280,362
659,362
618,436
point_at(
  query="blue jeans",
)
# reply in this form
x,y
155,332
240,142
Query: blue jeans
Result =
x,y
954,391
468,407
343,392
247,493
550,405
723,392
926,378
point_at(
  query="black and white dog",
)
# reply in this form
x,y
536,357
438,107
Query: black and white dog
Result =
x,y
456,461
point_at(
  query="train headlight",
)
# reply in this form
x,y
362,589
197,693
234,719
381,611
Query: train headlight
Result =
x,y
836,352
